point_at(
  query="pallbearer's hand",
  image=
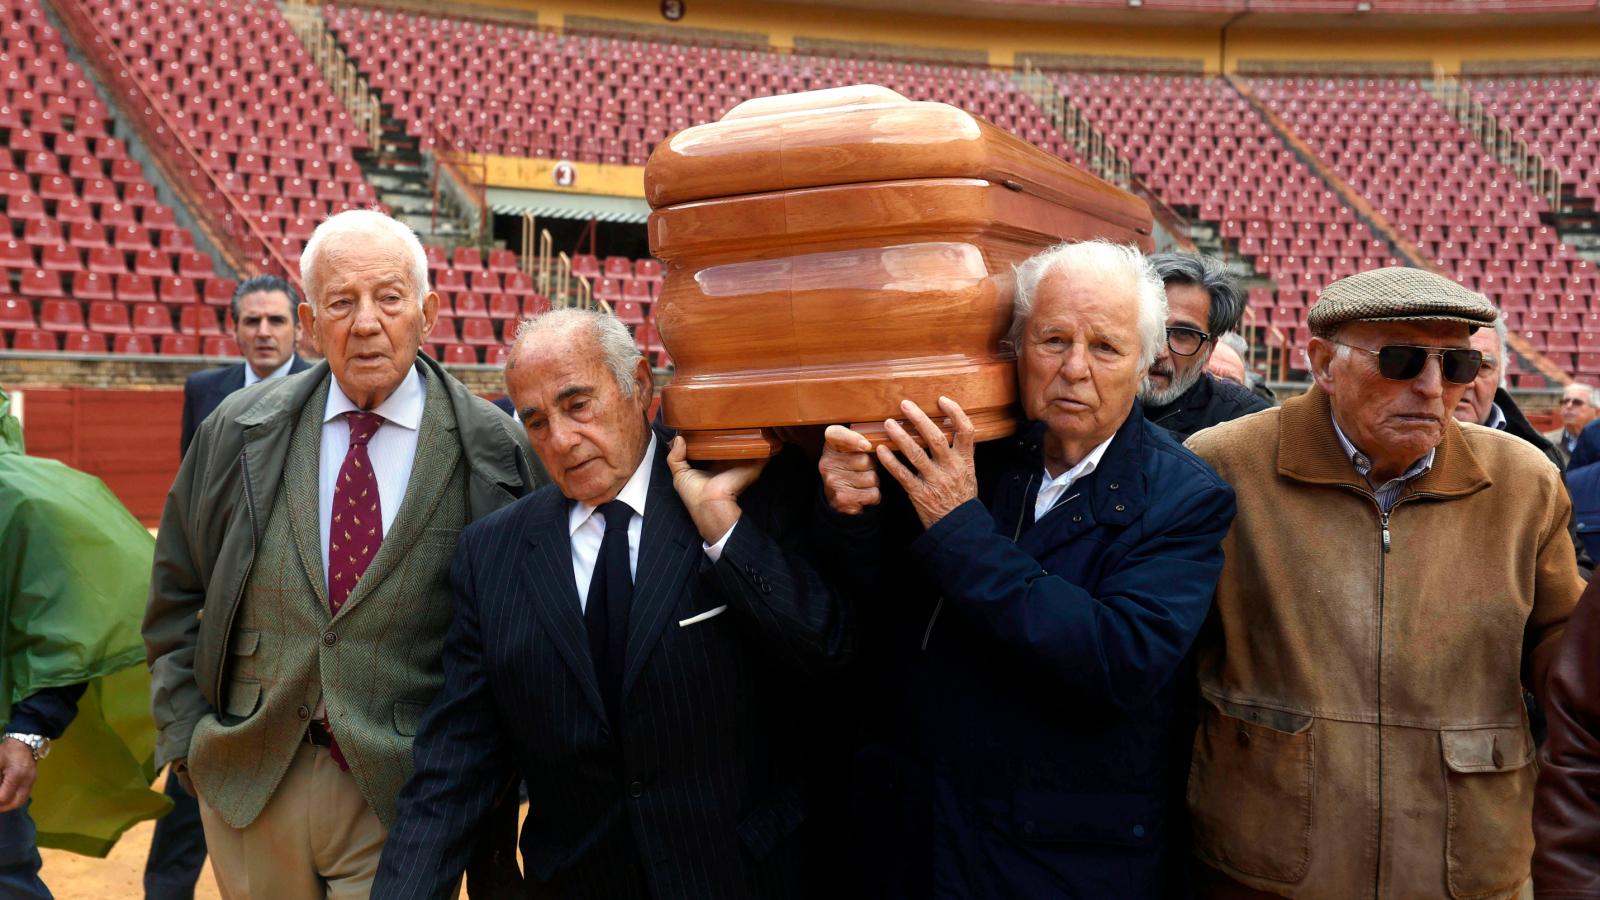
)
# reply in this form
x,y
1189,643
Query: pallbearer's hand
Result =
x,y
849,476
943,476
711,495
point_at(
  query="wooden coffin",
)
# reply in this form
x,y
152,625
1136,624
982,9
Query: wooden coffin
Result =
x,y
830,253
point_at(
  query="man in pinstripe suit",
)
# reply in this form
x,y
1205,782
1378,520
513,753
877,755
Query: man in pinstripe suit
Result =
x,y
642,642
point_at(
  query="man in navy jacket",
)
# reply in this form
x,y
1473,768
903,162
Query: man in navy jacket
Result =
x,y
1028,613
267,327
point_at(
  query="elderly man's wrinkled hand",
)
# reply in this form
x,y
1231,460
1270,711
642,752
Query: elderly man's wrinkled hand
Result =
x,y
711,495
849,478
943,476
17,772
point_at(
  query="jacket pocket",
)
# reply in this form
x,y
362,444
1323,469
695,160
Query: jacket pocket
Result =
x,y
245,643
407,716
1061,817
1489,783
243,699
1251,782
763,830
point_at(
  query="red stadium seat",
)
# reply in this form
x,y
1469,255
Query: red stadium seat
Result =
x,y
460,354
220,345
34,342
61,315
179,345
83,342
135,344
151,318
16,314
108,318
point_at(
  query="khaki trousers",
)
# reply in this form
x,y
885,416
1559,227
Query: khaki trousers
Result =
x,y
317,839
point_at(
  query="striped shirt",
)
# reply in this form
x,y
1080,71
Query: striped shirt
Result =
x,y
1388,492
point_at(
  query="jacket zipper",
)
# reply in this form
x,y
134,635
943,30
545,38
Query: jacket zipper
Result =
x,y
1016,534
1387,545
244,582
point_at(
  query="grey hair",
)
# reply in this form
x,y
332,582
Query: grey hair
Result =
x,y
1235,340
1204,272
617,349
364,221
1106,257
1500,345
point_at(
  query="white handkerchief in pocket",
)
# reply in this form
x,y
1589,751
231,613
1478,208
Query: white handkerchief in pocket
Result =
x,y
697,619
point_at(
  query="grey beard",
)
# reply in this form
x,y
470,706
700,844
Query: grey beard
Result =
x,y
1174,389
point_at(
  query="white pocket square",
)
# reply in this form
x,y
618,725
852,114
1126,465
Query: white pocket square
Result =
x,y
708,614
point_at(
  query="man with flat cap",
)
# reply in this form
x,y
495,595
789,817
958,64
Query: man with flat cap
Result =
x,y
1394,579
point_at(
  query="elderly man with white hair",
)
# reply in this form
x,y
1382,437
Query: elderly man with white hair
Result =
x,y
301,592
1032,602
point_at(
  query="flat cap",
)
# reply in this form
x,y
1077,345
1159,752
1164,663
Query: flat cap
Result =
x,y
1400,295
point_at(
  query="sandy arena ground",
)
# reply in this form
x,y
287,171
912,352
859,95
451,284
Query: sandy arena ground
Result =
x,y
119,876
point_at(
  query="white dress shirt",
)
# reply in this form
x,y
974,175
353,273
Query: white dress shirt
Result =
x,y
1051,489
586,526
392,449
250,376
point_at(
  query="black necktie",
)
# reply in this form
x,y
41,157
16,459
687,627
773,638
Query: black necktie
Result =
x,y
610,599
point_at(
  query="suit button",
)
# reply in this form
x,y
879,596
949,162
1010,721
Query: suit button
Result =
x,y
1077,518
1138,831
636,790
1028,827
1114,485
1120,507
303,713
329,639
200,616
1243,737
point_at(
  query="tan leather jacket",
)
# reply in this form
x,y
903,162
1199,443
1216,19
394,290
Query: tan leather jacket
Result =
x,y
1362,731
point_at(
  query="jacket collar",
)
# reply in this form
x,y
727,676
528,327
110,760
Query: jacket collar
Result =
x,y
1309,451
490,451
1198,396
1118,480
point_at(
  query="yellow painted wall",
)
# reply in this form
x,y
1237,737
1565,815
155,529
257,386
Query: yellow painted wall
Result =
x,y
1253,36
538,175
1445,48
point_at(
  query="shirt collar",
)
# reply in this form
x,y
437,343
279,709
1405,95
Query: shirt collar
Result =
x,y
403,407
250,376
1085,466
633,493
1497,418
1363,464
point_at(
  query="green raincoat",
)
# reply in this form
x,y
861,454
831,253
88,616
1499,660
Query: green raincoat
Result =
x,y
74,573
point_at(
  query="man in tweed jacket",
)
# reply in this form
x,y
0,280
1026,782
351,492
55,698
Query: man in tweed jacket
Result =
x,y
300,593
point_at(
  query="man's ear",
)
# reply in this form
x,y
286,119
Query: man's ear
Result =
x,y
1321,353
644,382
308,322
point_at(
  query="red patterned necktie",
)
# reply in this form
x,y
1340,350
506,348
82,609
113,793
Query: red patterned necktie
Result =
x,y
356,528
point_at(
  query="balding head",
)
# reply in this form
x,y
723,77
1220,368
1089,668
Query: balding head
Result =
x,y
582,388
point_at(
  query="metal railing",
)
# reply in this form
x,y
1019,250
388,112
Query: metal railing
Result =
x,y
238,236
1090,142
345,80
552,272
1501,142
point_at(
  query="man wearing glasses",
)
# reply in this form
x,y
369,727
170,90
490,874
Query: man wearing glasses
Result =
x,y
1393,581
1202,305
1580,403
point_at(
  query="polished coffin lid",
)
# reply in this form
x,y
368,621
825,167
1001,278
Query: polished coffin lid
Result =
x,y
833,252
866,133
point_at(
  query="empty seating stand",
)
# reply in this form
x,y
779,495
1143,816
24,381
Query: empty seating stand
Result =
x,y
83,238
522,92
1419,168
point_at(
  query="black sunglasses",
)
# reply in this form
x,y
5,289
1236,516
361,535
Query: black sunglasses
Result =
x,y
1402,362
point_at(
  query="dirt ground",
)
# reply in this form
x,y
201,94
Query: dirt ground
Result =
x,y
119,876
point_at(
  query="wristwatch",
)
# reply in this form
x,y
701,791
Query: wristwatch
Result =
x,y
38,743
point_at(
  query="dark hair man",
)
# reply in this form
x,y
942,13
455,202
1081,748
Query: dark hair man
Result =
x,y
1202,305
266,323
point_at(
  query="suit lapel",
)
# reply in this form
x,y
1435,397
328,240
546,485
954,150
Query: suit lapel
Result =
x,y
547,576
437,451
669,551
300,489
